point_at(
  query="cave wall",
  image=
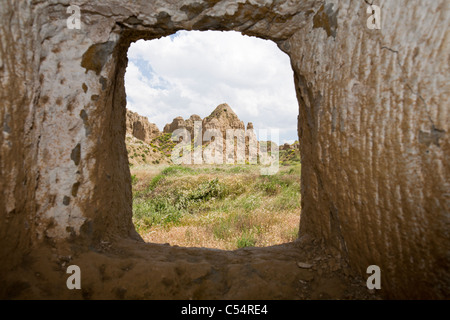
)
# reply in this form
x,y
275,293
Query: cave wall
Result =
x,y
373,134
373,117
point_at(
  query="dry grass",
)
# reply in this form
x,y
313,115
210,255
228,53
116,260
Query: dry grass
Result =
x,y
223,207
267,232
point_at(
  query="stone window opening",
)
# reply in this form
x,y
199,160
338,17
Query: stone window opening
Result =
x,y
264,214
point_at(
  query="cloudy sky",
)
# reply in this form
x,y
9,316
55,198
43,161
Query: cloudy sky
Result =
x,y
193,72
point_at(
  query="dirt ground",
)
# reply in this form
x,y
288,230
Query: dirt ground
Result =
x,y
128,269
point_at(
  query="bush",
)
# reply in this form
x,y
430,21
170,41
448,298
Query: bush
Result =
x,y
273,185
269,185
209,190
154,182
169,208
246,240
155,211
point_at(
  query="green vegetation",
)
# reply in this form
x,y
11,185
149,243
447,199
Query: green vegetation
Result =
x,y
163,144
220,206
289,157
177,170
247,239
227,206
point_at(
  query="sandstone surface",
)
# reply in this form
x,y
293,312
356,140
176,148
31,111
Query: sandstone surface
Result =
x,y
139,127
373,130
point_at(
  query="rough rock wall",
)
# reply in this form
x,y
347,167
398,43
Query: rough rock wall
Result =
x,y
139,127
373,129
216,124
223,118
179,122
19,83
373,123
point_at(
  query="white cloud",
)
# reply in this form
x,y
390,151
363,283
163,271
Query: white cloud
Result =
x,y
193,72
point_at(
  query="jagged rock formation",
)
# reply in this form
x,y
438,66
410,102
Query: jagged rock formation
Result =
x,y
289,154
373,130
221,119
140,152
139,127
288,146
144,142
179,123
251,145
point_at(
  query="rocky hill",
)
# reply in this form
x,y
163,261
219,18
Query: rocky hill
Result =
x,y
146,144
222,118
142,141
139,127
179,123
140,152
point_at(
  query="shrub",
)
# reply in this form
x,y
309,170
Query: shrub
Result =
x,y
269,186
155,211
154,182
208,190
188,200
246,240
